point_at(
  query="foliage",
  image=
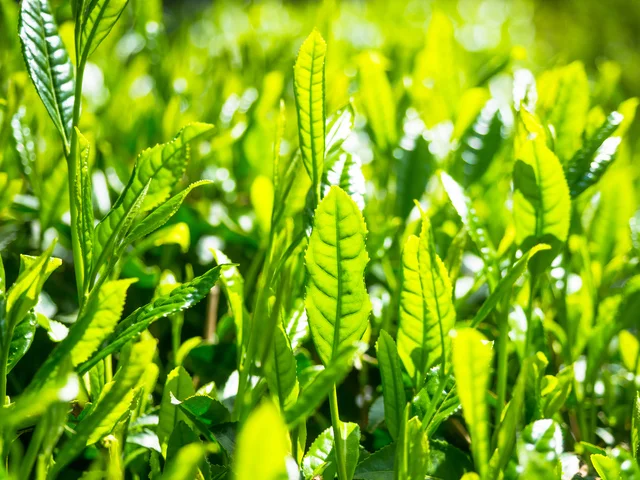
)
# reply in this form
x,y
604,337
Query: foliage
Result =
x,y
395,248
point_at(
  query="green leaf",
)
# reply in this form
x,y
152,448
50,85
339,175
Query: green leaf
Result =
x,y
25,148
339,127
181,436
48,63
160,168
23,294
556,390
478,233
350,435
378,465
412,452
337,302
319,457
281,370
563,99
426,307
472,357
120,392
308,82
395,398
180,386
161,214
589,163
82,197
377,99
317,391
97,20
539,449
181,298
184,465
479,145
414,167
101,318
204,412
606,467
255,458
21,340
503,288
541,202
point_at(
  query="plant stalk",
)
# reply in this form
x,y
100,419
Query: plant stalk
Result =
x,y
338,442
503,359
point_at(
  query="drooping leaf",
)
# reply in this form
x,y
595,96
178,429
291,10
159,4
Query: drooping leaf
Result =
x,y
281,370
21,339
395,398
157,169
102,315
589,163
179,386
97,20
124,381
426,307
313,394
48,63
256,458
337,302
472,357
308,81
377,99
179,299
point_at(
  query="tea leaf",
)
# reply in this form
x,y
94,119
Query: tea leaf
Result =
x,y
395,399
184,466
21,340
97,20
82,196
281,370
48,63
308,74
180,386
412,452
337,301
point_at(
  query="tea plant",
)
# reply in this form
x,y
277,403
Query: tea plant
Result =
x,y
436,277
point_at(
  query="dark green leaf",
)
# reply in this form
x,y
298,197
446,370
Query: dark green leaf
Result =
x,y
395,399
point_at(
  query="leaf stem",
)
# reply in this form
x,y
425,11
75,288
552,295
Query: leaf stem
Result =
x,y
503,358
338,442
529,314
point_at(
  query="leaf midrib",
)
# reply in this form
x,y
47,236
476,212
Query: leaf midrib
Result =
x,y
336,325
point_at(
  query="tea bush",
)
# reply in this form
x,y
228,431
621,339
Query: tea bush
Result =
x,y
402,244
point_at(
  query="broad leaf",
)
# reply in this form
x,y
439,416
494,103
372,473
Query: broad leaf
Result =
x,y
378,465
319,458
426,307
589,163
281,370
205,413
48,63
606,467
157,169
255,458
472,357
97,20
337,301
308,82
395,398
179,386
101,316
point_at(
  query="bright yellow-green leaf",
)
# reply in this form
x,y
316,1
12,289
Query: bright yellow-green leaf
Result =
x,y
472,357
105,313
281,370
180,386
629,349
262,201
337,301
606,467
426,306
257,458
184,466
308,81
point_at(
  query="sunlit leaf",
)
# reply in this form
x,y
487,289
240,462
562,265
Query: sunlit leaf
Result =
x,y
281,370
395,398
179,386
96,21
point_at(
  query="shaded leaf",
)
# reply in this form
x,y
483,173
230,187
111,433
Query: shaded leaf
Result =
x,y
179,386
395,398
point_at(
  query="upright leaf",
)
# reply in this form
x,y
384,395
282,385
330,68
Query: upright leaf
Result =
x,y
281,370
415,165
82,197
257,458
98,18
412,452
426,306
184,466
345,171
308,82
395,398
337,301
635,427
48,63
21,339
472,357
179,386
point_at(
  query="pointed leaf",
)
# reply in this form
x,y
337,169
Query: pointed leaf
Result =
x,y
395,398
83,198
308,82
319,456
412,452
21,339
415,165
426,307
472,357
350,435
98,19
337,301
378,465
281,370
48,63
179,386
184,465
345,171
